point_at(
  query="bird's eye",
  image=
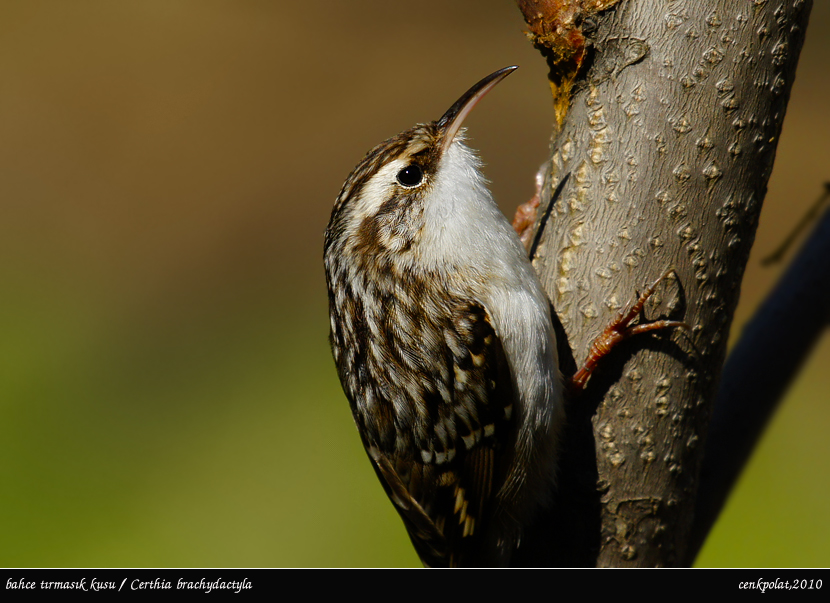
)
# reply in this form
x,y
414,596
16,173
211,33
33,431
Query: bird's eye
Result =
x,y
411,175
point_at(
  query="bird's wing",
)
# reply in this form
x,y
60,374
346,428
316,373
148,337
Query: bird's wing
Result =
x,y
445,488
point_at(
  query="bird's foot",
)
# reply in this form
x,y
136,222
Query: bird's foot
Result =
x,y
525,217
619,330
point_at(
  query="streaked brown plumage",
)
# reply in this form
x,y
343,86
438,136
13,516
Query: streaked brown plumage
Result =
x,y
443,344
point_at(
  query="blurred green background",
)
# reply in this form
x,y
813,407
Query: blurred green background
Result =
x,y
167,170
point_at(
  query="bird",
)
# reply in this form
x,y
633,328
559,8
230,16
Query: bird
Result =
x,y
442,337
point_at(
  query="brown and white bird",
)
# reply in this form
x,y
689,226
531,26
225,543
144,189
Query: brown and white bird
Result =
x,y
443,342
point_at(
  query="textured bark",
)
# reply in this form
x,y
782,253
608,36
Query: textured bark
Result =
x,y
669,142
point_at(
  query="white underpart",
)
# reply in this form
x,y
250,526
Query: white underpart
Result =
x,y
465,232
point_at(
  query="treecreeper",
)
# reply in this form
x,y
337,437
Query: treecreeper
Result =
x,y
443,340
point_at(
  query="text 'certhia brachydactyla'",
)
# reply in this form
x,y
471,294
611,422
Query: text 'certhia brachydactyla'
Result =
x,y
443,342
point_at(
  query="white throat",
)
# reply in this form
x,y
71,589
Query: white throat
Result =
x,y
463,226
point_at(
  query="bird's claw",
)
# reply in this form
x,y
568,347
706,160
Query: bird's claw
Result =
x,y
619,330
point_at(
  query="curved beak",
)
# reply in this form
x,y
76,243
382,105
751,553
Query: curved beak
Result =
x,y
455,115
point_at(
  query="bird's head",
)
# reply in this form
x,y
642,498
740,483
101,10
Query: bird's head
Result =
x,y
410,184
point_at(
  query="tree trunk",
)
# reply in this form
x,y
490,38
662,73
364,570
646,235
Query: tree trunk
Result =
x,y
669,141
